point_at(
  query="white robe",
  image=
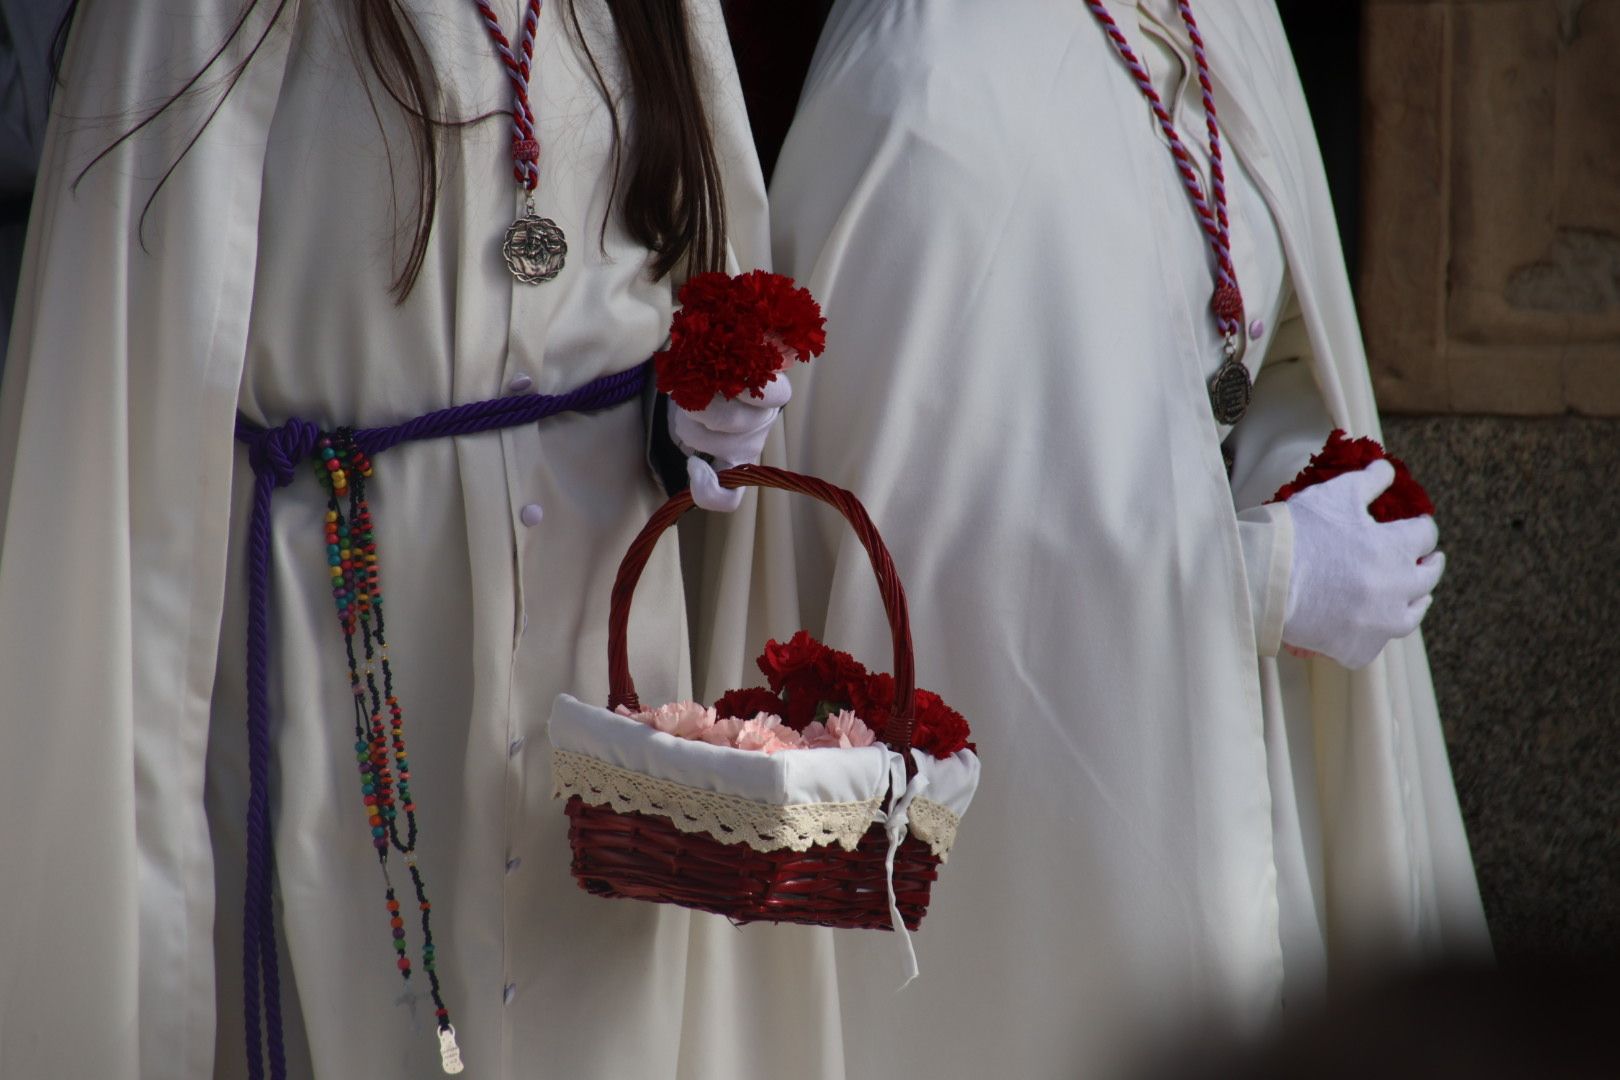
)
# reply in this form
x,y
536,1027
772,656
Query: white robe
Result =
x,y
1170,820
259,280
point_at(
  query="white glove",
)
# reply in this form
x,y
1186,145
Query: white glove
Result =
x,y
1357,583
731,433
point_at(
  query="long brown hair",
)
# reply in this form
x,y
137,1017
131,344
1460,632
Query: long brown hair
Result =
x,y
666,174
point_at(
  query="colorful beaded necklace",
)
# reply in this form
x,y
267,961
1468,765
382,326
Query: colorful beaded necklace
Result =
x,y
351,553
534,247
1231,387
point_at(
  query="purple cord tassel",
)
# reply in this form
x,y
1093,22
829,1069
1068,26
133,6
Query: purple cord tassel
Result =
x,y
275,454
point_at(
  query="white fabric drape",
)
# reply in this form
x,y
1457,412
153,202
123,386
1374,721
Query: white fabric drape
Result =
x,y
1169,821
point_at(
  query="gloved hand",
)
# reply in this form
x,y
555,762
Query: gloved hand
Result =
x,y
1357,583
731,433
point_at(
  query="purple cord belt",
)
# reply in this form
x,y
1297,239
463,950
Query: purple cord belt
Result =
x,y
275,454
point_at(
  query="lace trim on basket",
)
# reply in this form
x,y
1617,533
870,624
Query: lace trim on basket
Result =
x,y
727,818
934,824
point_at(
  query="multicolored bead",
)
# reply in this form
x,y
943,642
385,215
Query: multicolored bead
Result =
x,y
379,745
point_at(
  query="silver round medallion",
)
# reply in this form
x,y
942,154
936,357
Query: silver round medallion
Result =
x,y
1230,391
534,249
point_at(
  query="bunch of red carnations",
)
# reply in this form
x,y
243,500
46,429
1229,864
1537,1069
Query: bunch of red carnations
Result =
x,y
733,334
1342,454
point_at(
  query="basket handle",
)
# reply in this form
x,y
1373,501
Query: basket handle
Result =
x,y
622,688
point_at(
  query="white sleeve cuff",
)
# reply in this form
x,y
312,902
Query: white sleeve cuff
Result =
x,y
1267,536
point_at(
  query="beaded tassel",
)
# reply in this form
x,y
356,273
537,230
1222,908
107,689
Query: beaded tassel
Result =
x,y
351,555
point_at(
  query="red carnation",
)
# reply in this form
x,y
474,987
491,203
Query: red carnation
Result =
x,y
707,292
839,676
782,661
803,706
747,703
873,694
940,730
791,315
735,334
810,680
872,699
1342,454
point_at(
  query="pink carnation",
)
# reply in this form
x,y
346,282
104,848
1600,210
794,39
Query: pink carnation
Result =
x,y
760,732
662,718
786,739
723,732
683,719
843,729
692,719
766,733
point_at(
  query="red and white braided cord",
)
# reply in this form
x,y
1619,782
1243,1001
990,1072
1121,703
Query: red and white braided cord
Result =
x,y
519,66
1215,223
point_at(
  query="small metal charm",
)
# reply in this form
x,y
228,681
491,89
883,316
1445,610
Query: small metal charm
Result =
x,y
534,249
449,1052
1230,391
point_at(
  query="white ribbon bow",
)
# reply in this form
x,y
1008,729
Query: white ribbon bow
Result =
x,y
894,822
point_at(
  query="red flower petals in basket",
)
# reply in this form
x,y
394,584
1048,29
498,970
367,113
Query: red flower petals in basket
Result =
x,y
749,703
735,333
1342,454
810,681
839,773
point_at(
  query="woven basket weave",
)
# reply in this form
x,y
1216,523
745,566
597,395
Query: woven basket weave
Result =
x,y
645,857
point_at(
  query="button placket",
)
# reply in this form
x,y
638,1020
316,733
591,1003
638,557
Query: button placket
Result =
x,y
519,446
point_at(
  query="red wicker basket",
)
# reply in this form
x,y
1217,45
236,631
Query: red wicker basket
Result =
x,y
645,857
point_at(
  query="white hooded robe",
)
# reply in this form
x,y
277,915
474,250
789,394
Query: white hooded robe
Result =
x,y
1171,818
259,280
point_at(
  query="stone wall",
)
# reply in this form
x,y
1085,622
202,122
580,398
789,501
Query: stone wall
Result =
x,y
1525,650
1489,283
1490,245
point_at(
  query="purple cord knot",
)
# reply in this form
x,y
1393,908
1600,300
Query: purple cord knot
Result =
x,y
278,450
275,454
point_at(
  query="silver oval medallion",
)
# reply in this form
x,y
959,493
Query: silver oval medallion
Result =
x,y
1230,391
534,249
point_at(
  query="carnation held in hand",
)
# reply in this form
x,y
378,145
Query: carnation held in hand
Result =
x,y
1342,454
1364,557
733,334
